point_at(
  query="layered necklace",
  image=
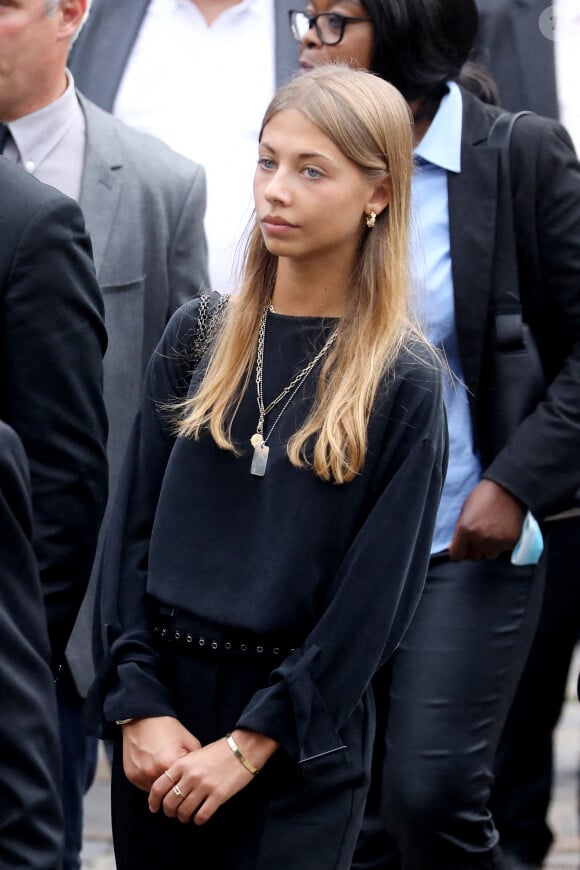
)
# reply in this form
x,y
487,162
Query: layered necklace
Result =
x,y
259,438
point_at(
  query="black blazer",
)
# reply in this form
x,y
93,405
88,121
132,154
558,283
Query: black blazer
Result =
x,y
519,57
52,340
30,812
541,462
101,52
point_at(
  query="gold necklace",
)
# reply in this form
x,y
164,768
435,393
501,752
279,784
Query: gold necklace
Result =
x,y
258,439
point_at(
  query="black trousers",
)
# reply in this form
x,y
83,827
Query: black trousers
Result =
x,y
441,706
282,819
524,765
79,764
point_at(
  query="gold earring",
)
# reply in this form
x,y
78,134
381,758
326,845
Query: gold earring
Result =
x,y
371,219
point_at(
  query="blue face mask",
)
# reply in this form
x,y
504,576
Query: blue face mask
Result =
x,y
530,545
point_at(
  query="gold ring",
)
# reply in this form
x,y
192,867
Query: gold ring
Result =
x,y
177,791
168,775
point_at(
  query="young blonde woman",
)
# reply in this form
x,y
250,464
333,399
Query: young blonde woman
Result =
x,y
447,692
272,528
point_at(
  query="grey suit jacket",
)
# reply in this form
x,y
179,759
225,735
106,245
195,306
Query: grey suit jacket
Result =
x,y
144,207
518,55
100,55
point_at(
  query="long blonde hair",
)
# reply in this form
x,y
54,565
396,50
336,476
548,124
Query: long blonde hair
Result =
x,y
370,123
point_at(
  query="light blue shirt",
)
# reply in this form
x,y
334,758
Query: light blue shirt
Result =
x,y
438,153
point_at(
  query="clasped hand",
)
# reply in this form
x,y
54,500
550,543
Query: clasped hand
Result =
x,y
184,779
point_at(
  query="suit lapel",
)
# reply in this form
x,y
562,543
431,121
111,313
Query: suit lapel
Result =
x,y
535,56
286,45
472,219
101,182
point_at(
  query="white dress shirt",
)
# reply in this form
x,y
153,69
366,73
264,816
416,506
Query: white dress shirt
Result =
x,y
567,58
203,90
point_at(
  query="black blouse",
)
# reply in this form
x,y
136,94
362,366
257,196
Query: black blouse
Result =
x,y
339,567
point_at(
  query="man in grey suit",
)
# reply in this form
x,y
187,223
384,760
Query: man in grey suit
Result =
x,y
144,207
198,74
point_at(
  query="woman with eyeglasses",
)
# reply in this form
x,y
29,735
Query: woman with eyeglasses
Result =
x,y
444,697
270,534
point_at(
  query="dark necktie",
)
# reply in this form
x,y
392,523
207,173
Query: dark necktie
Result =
x,y
4,133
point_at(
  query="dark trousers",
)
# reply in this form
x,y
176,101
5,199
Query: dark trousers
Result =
x,y
524,765
79,762
282,819
443,701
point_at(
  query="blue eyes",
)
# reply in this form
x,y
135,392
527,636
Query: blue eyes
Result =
x,y
268,165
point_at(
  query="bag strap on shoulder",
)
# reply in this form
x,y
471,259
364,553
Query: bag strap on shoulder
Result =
x,y
208,318
500,133
506,295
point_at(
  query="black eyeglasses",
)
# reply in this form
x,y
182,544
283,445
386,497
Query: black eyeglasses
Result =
x,y
329,26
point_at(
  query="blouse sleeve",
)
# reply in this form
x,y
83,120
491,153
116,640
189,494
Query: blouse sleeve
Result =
x,y
126,683
374,595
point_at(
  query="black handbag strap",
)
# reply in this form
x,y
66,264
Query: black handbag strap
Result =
x,y
208,319
506,294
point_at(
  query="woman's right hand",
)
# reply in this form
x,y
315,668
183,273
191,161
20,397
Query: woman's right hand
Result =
x,y
152,745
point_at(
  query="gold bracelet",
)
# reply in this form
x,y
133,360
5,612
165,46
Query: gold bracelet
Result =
x,y
240,755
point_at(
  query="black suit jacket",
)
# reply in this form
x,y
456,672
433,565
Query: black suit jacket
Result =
x,y
30,812
520,58
52,340
541,462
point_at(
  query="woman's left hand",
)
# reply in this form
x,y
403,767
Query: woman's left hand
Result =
x,y
197,784
490,523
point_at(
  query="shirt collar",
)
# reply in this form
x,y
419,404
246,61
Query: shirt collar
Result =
x,y
37,134
242,6
441,144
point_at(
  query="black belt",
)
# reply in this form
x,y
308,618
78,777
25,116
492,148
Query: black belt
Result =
x,y
175,627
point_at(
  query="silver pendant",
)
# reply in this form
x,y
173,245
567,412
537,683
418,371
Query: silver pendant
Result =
x,y
256,440
260,460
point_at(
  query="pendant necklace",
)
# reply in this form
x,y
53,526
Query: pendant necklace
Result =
x,y
258,439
